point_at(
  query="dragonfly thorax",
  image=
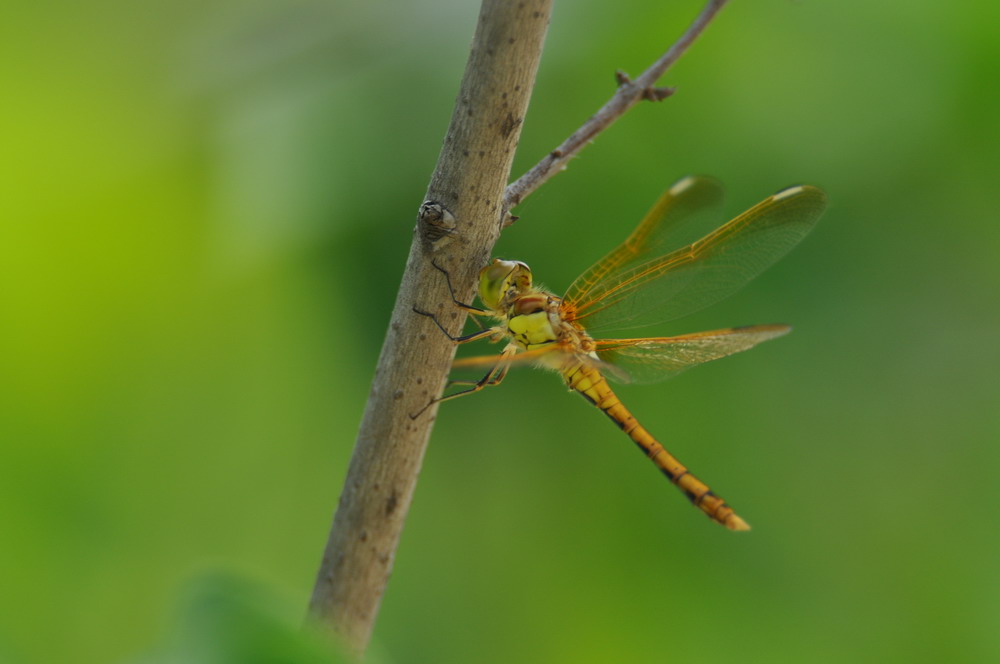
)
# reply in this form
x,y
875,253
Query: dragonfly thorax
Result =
x,y
533,320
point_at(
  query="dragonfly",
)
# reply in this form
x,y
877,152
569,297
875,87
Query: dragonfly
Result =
x,y
674,263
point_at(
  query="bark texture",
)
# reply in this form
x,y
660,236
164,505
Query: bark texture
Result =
x,y
457,227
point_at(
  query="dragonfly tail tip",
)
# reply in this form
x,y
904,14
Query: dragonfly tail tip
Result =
x,y
736,523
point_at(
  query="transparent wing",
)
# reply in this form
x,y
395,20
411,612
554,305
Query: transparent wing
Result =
x,y
658,358
686,212
526,357
635,285
547,357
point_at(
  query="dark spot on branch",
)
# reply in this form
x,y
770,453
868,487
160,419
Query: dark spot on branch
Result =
x,y
510,123
391,503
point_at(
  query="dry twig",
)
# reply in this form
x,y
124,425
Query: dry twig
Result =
x,y
628,94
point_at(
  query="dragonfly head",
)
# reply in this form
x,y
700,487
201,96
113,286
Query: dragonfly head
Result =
x,y
501,279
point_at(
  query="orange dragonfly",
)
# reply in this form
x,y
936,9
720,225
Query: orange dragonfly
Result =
x,y
667,268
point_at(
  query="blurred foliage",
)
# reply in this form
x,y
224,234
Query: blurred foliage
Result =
x,y
205,212
226,619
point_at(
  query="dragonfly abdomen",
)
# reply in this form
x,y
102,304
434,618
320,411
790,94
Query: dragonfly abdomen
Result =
x,y
589,382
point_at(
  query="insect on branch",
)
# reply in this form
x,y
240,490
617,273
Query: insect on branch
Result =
x,y
467,190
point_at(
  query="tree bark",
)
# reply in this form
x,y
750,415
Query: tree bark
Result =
x,y
456,228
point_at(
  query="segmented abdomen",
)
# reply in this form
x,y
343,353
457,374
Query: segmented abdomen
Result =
x,y
589,382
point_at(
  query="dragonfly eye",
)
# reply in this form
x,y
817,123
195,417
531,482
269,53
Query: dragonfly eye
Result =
x,y
502,279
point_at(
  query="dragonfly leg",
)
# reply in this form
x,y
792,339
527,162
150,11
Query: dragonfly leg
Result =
x,y
458,303
481,334
493,377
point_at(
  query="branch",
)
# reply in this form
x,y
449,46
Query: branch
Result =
x,y
629,93
465,207
463,211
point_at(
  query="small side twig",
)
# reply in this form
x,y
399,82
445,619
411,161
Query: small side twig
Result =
x,y
629,93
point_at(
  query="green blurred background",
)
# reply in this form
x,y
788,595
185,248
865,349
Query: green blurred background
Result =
x,y
205,210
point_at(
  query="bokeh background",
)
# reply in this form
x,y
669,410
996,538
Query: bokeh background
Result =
x,y
205,212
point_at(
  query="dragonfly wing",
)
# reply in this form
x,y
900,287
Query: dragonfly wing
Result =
x,y
488,361
650,289
684,213
659,358
547,357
